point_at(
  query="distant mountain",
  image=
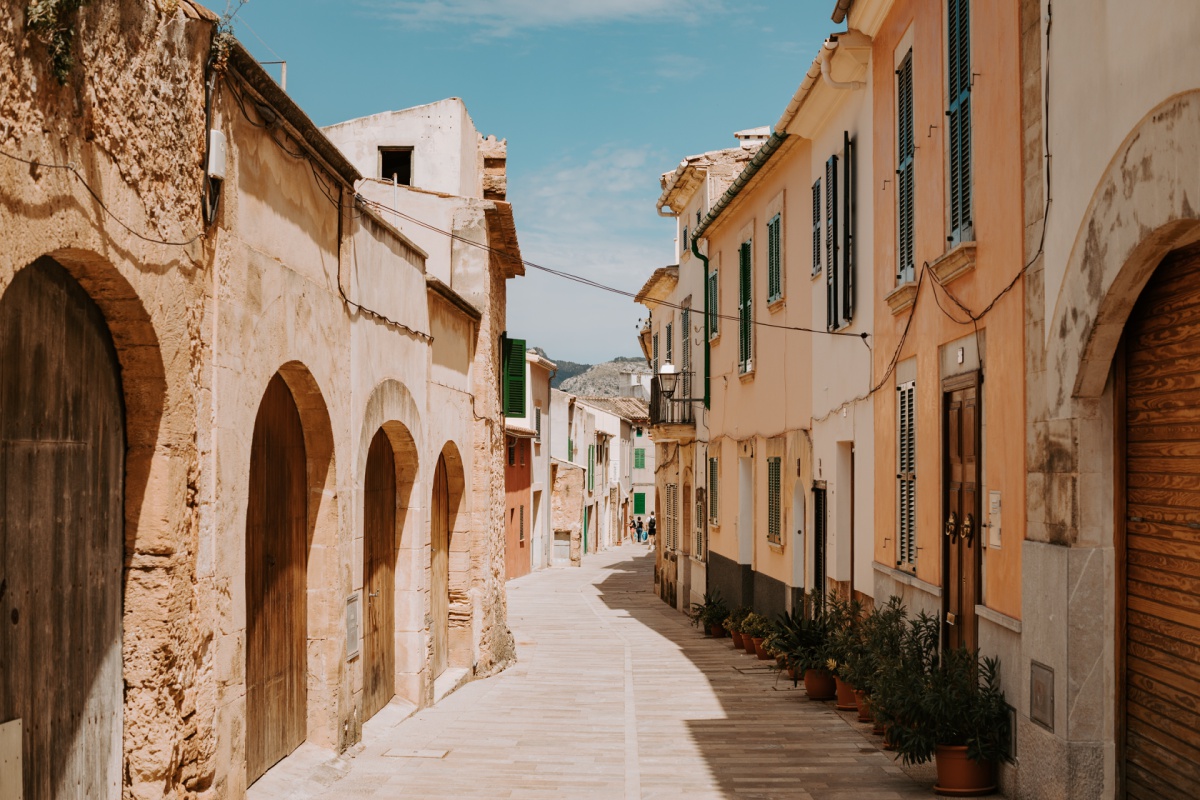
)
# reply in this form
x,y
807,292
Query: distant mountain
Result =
x,y
595,380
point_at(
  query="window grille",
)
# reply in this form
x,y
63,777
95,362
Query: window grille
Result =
x,y
774,513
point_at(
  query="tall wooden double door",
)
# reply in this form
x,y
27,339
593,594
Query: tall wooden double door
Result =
x,y
963,538
379,576
62,462
276,584
1162,535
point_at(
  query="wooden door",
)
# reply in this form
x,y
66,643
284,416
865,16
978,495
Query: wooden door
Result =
x,y
961,509
1162,534
62,450
379,576
439,584
276,583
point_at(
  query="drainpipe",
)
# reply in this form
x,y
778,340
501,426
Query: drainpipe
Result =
x,y
827,51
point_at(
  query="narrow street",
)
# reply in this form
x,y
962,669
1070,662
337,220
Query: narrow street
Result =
x,y
615,695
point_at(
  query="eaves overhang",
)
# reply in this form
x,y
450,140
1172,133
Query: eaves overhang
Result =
x,y
659,286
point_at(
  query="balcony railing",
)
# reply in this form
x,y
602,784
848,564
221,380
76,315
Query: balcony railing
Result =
x,y
679,409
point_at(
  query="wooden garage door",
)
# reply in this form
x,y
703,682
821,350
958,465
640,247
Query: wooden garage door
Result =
x,y
379,576
276,566
1162,736
62,449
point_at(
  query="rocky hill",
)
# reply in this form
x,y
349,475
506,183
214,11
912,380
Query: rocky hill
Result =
x,y
604,380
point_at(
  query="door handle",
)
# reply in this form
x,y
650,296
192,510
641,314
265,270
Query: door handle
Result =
x,y
968,529
951,618
373,594
952,526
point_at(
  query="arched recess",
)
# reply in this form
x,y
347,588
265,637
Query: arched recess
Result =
x,y
449,582
392,413
64,497
293,613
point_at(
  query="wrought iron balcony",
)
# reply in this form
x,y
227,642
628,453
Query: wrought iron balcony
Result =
x,y
679,408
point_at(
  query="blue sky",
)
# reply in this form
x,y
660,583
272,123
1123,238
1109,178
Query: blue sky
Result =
x,y
597,98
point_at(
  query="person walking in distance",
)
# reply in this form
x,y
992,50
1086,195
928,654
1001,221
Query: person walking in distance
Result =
x,y
651,526
641,531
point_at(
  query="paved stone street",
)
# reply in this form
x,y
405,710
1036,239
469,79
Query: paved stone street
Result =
x,y
615,695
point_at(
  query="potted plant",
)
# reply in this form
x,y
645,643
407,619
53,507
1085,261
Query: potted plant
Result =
x,y
733,624
959,717
880,636
710,615
758,628
843,619
809,655
906,661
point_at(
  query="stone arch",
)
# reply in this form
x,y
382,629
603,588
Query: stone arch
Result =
x,y
1142,209
392,413
451,608
322,570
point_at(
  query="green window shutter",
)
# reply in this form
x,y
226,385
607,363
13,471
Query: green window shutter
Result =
x,y
685,350
655,353
591,467
713,480
639,458
832,309
905,188
774,259
774,515
639,502
712,302
816,243
513,376
958,75
849,223
670,331
906,475
745,330
570,449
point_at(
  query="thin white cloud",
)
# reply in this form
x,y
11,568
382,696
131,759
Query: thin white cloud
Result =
x,y
508,16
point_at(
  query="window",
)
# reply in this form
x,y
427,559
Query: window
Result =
x,y
512,452
513,370
670,343
745,326
849,225
958,76
683,241
591,468
820,538
831,244
700,546
906,476
639,433
816,250
537,424
395,163
905,147
570,449
774,260
639,458
713,485
654,348
521,447
639,503
774,513
711,298
685,351
521,535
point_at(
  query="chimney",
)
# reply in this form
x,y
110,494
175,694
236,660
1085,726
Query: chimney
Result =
x,y
495,167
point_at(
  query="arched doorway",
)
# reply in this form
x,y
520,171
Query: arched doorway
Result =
x,y
379,576
276,583
1162,532
62,455
439,584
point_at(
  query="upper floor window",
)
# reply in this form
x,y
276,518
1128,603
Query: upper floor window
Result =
x,y
774,259
905,148
958,78
684,242
841,202
395,163
710,297
745,308
816,239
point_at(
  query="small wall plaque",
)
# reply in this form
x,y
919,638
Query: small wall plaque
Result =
x,y
1041,695
352,626
994,520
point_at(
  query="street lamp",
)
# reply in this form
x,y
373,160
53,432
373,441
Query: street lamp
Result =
x,y
668,377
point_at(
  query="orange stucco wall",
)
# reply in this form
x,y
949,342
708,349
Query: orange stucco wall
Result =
x,y
998,217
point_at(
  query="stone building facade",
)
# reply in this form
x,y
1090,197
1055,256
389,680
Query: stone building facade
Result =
x,y
286,452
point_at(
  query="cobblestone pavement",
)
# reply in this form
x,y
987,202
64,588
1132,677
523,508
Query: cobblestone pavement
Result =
x,y
614,695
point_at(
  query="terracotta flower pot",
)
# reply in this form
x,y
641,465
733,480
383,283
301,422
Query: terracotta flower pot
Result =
x,y
864,706
737,639
959,776
845,696
877,728
791,673
716,631
819,684
748,643
759,650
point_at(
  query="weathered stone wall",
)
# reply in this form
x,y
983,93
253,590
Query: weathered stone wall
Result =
x,y
566,507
